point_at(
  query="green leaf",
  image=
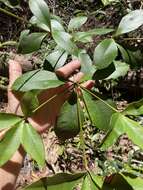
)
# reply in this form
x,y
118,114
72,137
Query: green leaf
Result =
x,y
98,180
121,70
104,73
56,59
120,125
36,80
9,144
117,182
99,112
64,40
37,23
77,22
92,181
105,53
130,22
86,64
134,108
33,144
67,123
135,182
41,11
29,43
8,120
86,184
124,54
56,25
61,181
87,36
29,103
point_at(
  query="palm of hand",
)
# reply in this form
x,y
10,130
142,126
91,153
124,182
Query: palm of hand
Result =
x,y
46,116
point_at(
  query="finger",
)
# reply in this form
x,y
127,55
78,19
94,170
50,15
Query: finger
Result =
x,y
77,77
15,71
88,84
68,69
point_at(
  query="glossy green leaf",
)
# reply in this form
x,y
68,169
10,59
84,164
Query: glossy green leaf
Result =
x,y
135,182
61,181
8,120
92,181
105,53
67,125
121,70
33,144
120,124
77,22
29,103
36,80
124,54
86,64
134,108
29,43
98,180
86,184
41,11
39,24
56,59
9,144
117,182
64,40
100,113
104,73
56,25
87,36
130,22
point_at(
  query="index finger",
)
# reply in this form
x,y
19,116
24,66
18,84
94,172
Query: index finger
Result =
x,y
68,69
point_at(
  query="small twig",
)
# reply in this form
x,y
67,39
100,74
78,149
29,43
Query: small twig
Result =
x,y
86,108
82,140
132,38
12,15
8,43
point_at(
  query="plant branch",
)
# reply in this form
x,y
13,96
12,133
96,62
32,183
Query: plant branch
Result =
x,y
132,38
81,133
8,43
86,108
12,15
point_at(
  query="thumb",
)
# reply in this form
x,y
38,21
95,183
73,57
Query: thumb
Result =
x,y
15,71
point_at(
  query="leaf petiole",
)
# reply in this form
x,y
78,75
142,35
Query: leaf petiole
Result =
x,y
81,133
91,93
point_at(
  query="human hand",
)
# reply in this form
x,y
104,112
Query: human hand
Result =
x,y
46,116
